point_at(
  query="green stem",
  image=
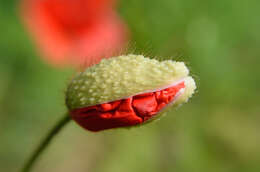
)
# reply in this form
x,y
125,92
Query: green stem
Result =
x,y
45,142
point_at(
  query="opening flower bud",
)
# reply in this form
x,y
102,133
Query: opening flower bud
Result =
x,y
127,91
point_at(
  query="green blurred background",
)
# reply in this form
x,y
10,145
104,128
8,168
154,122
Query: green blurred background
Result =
x,y
217,131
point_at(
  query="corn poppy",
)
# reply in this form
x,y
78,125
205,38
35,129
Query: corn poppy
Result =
x,y
77,32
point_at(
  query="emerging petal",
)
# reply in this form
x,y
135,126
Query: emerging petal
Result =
x,y
126,112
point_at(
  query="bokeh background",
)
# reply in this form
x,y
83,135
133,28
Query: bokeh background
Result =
x,y
217,131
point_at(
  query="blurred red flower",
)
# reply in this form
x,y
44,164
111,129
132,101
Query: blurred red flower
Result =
x,y
74,32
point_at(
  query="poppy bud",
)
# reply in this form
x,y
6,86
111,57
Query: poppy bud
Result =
x,y
126,91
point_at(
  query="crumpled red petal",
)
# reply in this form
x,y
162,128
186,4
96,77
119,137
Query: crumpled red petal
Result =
x,y
126,112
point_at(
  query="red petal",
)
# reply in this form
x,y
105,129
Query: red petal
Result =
x,y
126,112
145,105
109,106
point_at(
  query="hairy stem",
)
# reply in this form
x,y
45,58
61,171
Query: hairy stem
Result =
x,y
45,142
